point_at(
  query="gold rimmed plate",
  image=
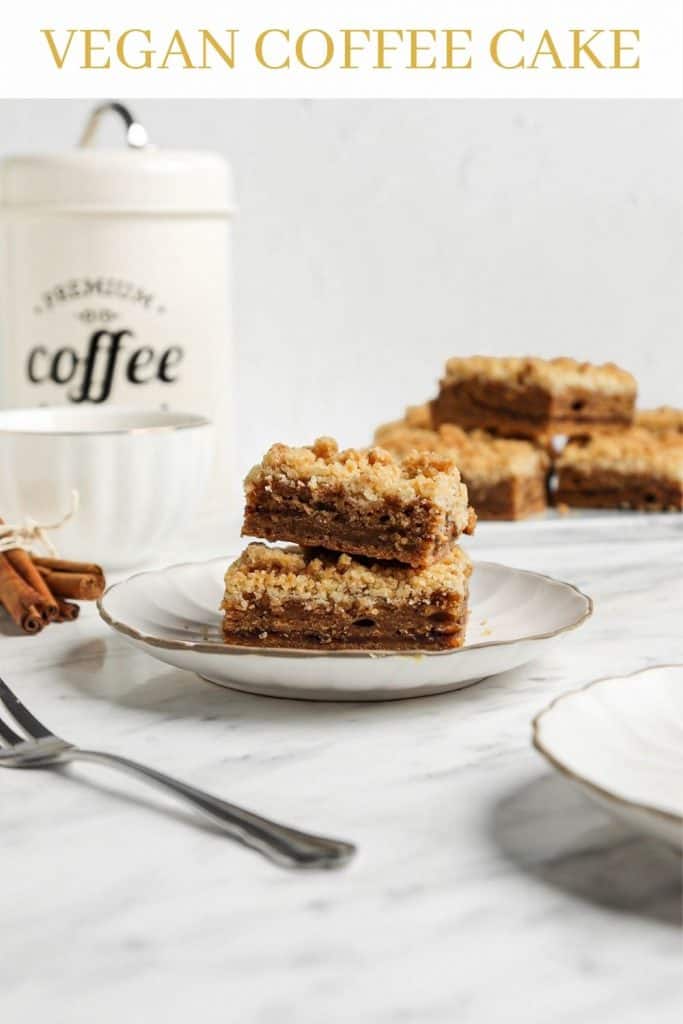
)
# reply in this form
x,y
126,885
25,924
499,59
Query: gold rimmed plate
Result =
x,y
172,614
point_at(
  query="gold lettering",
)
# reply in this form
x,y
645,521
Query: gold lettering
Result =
x,y
546,48
350,49
452,48
383,47
580,48
89,48
620,49
177,48
416,48
316,48
210,41
329,48
260,42
58,57
495,48
121,49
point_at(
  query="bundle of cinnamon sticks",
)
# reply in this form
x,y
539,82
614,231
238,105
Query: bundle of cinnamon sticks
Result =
x,y
37,591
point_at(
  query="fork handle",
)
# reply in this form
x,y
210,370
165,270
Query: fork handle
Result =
x,y
287,846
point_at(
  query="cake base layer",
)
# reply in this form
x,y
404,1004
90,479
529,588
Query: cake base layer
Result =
x,y
500,409
611,490
420,628
512,498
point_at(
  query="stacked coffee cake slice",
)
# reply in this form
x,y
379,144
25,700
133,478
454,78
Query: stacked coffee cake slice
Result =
x,y
515,396
376,564
527,431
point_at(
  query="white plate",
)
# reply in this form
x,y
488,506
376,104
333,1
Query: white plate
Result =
x,y
172,614
621,741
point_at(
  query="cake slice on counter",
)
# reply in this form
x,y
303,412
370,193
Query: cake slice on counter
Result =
x,y
302,598
408,510
633,468
505,479
532,397
663,420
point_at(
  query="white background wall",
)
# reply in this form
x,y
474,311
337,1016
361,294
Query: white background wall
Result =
x,y
376,238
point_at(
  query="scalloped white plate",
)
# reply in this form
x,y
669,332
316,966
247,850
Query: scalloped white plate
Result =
x,y
173,615
621,741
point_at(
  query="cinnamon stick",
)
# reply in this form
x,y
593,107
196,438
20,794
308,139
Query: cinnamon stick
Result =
x,y
22,564
67,611
64,565
74,585
19,599
36,590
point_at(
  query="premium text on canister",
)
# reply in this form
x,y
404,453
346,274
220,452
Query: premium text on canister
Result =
x,y
116,281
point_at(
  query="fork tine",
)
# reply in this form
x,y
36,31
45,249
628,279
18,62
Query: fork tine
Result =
x,y
9,735
21,715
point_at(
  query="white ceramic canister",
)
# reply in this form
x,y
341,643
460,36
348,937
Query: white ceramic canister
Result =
x,y
115,288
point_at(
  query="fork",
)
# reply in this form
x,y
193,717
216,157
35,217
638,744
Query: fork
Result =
x,y
40,748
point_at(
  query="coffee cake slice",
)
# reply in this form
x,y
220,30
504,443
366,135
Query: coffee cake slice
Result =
x,y
505,479
364,503
634,469
528,397
311,599
662,420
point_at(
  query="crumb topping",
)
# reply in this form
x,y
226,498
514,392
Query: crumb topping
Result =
x,y
396,428
419,415
664,418
323,577
480,456
373,474
552,374
631,451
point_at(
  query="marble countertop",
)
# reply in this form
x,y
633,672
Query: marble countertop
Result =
x,y
486,888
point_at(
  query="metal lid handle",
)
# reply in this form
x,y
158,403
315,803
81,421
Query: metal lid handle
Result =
x,y
136,134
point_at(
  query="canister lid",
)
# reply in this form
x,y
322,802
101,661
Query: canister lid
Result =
x,y
119,180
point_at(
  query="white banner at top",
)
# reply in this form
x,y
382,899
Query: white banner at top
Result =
x,y
302,48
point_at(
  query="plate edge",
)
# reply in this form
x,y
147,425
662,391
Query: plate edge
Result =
x,y
669,816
